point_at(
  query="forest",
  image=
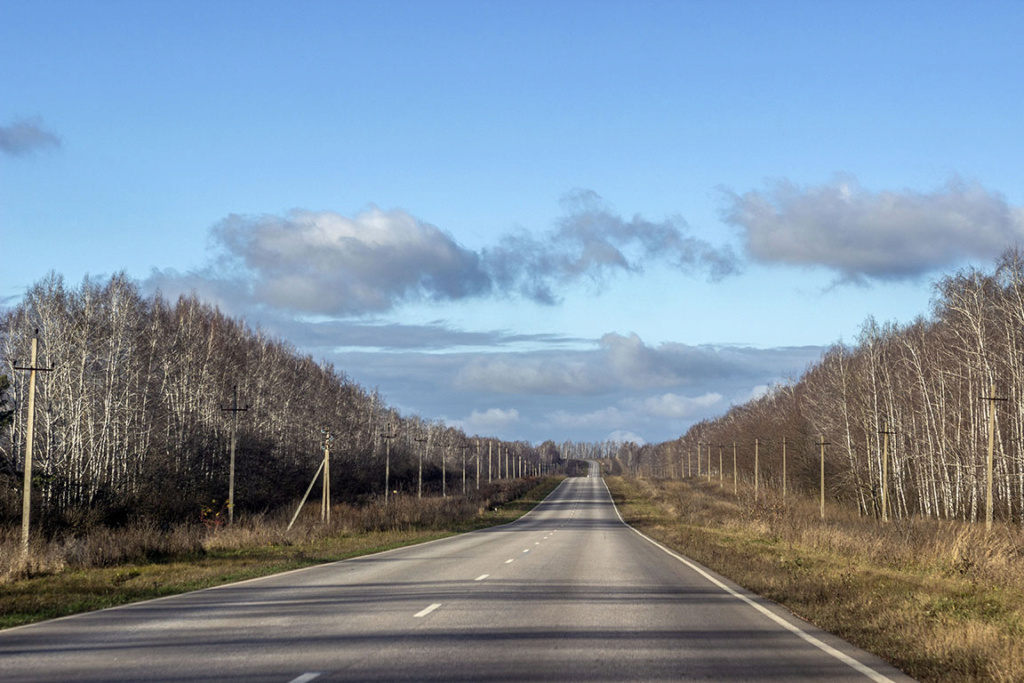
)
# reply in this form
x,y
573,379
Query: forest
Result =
x,y
908,405
133,416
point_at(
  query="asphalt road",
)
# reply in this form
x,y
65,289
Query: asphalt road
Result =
x,y
568,593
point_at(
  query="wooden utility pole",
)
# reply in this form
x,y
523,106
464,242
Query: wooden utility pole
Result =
x,y
419,481
709,463
478,464
26,502
325,501
990,461
387,460
234,410
490,449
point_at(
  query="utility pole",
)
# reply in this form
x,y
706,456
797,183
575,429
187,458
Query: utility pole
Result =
x,y
387,460
26,505
234,410
419,482
325,502
490,448
478,464
990,462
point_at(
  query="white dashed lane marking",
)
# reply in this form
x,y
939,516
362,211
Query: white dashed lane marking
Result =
x,y
428,610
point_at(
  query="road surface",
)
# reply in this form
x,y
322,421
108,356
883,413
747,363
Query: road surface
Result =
x,y
568,593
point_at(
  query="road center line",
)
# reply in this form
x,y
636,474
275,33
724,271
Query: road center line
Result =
x,y
481,577
510,561
425,612
305,678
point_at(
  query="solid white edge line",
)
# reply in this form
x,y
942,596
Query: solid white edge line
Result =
x,y
428,610
793,628
305,678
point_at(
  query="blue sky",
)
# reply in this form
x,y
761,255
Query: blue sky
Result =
x,y
532,219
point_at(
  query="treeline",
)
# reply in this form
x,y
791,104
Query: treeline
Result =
x,y
920,393
130,419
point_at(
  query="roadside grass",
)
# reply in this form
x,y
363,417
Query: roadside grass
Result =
x,y
115,567
943,601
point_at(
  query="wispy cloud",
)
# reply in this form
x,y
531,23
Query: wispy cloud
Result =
x,y
26,136
864,235
627,362
592,241
323,263
557,388
436,336
674,406
633,415
490,422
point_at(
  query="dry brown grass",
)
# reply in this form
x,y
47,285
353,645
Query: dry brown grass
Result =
x,y
944,601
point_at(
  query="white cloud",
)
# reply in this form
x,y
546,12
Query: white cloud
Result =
x,y
663,413
625,436
626,362
558,373
675,406
878,235
323,263
603,418
759,391
493,421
